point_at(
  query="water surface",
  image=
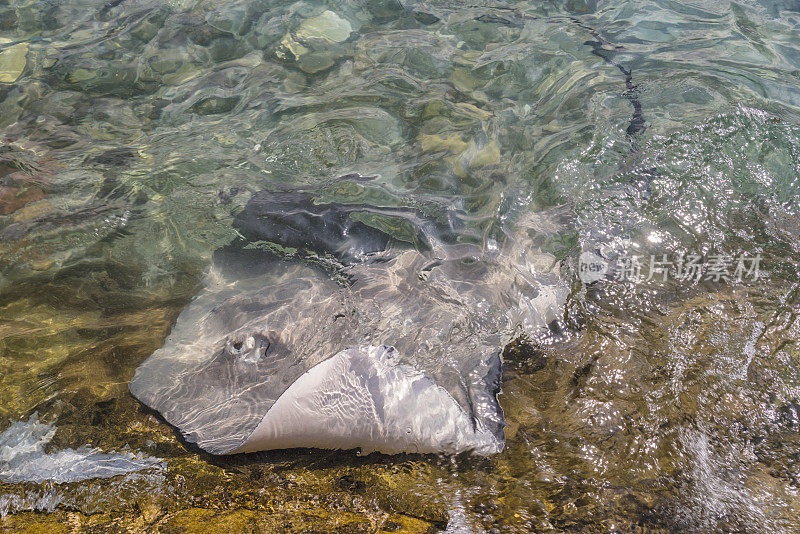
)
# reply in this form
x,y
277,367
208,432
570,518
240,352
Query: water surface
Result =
x,y
133,132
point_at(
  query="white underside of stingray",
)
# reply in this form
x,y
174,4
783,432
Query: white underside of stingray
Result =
x,y
363,398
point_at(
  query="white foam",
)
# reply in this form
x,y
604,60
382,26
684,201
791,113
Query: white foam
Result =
x,y
23,457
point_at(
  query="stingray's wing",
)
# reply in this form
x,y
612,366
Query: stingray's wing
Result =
x,y
234,350
364,397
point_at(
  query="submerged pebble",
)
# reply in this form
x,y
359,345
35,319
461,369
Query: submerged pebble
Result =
x,y
328,26
315,44
12,60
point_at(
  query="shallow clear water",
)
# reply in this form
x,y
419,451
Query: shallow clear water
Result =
x,y
134,131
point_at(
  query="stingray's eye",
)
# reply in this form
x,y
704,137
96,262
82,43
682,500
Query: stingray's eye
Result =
x,y
237,345
262,345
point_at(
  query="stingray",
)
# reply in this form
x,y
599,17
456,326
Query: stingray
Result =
x,y
355,338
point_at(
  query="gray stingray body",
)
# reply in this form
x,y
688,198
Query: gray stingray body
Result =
x,y
401,353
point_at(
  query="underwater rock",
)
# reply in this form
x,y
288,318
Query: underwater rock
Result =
x,y
25,173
